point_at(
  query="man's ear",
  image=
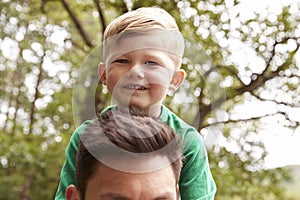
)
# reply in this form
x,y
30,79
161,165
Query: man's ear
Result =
x,y
177,80
177,192
102,73
72,193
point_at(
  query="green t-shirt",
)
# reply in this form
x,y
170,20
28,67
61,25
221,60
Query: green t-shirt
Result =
x,y
196,181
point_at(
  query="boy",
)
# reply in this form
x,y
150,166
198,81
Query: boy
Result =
x,y
142,58
97,177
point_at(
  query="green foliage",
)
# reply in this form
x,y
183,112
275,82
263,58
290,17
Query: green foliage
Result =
x,y
237,179
292,186
28,165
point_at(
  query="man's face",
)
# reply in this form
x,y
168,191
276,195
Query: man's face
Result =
x,y
140,78
111,184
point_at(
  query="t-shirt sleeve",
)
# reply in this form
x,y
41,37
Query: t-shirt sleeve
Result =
x,y
196,181
67,174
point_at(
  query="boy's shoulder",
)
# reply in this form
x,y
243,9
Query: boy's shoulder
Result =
x,y
83,126
175,121
189,134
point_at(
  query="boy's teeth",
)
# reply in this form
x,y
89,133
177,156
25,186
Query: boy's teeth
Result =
x,y
135,87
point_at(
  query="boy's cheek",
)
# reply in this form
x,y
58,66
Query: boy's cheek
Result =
x,y
159,90
160,77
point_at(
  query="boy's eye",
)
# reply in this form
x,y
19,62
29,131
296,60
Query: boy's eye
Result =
x,y
121,61
151,63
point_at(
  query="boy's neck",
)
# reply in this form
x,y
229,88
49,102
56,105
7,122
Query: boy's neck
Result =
x,y
153,111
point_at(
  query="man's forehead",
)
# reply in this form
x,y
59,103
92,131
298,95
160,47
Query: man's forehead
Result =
x,y
137,163
132,186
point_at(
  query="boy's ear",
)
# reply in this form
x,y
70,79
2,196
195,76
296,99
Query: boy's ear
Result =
x,y
72,193
177,80
102,73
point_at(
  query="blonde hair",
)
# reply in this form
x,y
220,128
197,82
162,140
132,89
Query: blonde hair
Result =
x,y
147,20
141,20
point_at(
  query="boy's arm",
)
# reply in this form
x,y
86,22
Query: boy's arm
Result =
x,y
196,181
67,174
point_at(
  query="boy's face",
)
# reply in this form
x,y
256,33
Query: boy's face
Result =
x,y
141,78
110,184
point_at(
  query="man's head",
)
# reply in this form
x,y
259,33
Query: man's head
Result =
x,y
123,156
142,56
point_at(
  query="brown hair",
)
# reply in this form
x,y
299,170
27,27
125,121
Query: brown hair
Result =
x,y
133,133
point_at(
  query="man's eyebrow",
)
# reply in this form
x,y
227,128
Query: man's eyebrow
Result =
x,y
165,196
115,196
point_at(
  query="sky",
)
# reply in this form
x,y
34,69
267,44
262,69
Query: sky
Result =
x,y
281,143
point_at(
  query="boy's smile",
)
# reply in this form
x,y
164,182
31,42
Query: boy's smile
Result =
x,y
140,78
135,90
135,87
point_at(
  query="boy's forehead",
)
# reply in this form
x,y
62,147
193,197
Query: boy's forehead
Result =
x,y
164,40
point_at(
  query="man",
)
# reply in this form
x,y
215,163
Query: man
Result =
x,y
127,157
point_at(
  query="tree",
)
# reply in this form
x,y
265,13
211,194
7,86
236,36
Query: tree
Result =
x,y
34,116
45,45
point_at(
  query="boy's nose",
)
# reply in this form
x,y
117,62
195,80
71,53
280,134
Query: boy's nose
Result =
x,y
136,71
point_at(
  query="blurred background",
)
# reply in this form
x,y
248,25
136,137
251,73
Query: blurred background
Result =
x,y
241,92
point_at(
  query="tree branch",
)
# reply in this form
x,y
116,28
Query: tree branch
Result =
x,y
244,120
10,98
271,100
101,16
78,25
36,94
254,84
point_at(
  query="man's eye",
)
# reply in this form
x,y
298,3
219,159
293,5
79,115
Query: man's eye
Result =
x,y
121,61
